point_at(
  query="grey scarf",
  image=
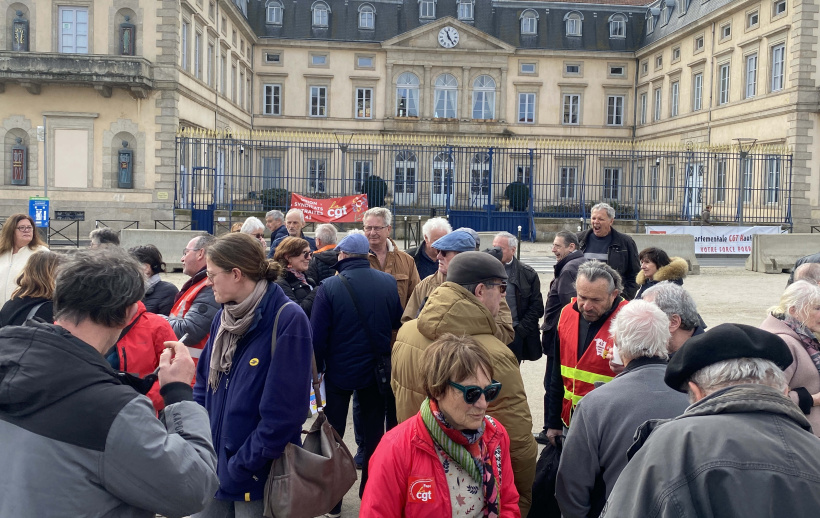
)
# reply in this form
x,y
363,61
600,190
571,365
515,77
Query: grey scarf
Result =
x,y
236,320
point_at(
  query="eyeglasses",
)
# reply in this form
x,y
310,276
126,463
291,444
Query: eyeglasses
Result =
x,y
375,229
472,393
502,286
25,229
186,250
307,255
443,253
211,275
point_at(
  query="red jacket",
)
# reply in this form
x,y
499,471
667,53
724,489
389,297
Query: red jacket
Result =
x,y
405,465
141,346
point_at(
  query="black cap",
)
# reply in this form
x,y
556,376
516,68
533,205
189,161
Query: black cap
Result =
x,y
474,267
724,342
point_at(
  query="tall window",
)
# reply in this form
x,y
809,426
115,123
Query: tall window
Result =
x,y
643,108
526,108
407,95
184,43
427,9
465,9
723,93
638,183
223,79
480,175
367,17
233,83
615,110
656,115
74,30
569,177
572,107
670,186
772,179
778,67
523,174
573,21
318,101
211,64
529,22
751,75
617,26
697,92
748,171
405,171
321,14
242,88
272,101
675,96
650,22
612,183
484,98
273,12
654,189
317,175
445,97
364,102
442,173
198,55
362,169
720,182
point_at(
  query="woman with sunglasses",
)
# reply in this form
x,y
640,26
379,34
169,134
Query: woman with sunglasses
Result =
x,y
293,253
19,239
254,227
450,459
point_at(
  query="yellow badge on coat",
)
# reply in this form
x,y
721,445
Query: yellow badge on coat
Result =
x,y
254,362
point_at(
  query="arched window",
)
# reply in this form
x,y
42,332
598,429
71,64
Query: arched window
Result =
x,y
446,97
367,17
529,22
273,12
407,95
321,14
484,98
573,21
480,179
404,187
617,26
465,9
442,178
427,9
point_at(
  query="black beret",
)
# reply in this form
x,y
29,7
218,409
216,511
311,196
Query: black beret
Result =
x,y
474,267
724,342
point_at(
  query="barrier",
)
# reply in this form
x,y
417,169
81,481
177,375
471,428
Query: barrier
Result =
x,y
776,253
675,245
169,242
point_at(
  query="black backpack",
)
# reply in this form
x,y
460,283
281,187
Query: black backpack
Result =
x,y
544,503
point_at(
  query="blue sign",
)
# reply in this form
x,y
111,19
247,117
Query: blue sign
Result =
x,y
38,210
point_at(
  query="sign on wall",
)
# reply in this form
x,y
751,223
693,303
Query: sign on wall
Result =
x,y
717,240
38,210
347,209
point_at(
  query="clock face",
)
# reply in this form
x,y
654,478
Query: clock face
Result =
x,y
448,37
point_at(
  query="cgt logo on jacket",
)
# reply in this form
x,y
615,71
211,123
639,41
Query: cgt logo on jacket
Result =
x,y
421,490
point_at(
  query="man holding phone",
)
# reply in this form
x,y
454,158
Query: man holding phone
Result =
x,y
78,437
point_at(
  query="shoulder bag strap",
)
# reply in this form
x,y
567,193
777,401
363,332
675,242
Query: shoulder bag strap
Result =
x,y
361,316
34,310
315,374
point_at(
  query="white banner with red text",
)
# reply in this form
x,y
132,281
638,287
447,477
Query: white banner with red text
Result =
x,y
717,239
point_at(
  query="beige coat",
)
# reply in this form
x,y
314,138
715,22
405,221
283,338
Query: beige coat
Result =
x,y
452,309
401,266
802,372
503,321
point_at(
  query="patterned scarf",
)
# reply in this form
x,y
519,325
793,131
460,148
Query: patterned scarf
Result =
x,y
466,449
807,339
298,275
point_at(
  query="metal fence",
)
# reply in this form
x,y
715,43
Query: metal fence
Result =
x,y
645,182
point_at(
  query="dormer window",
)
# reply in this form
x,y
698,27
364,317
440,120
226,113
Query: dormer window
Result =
x,y
617,26
427,9
529,22
273,12
573,21
465,9
650,19
367,17
321,14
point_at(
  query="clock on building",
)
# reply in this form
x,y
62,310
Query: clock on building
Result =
x,y
448,37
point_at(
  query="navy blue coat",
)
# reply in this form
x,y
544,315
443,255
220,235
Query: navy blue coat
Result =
x,y
259,406
340,342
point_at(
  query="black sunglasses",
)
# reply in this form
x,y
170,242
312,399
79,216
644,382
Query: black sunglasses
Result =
x,y
502,286
472,393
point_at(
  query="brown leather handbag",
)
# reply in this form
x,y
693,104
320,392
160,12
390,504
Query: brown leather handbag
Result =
x,y
308,481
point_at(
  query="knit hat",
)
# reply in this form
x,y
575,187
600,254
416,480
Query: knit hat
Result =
x,y
455,241
474,267
354,244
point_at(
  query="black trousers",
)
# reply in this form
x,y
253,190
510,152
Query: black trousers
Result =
x,y
372,410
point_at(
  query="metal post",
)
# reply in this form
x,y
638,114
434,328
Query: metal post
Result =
x,y
518,248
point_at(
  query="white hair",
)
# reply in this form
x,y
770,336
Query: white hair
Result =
x,y
327,233
610,212
355,231
674,300
641,330
433,224
800,295
299,213
251,225
738,371
276,215
386,215
512,240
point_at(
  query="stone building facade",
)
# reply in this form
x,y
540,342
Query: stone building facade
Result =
x,y
677,72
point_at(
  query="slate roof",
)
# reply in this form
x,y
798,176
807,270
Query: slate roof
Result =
x,y
678,19
498,18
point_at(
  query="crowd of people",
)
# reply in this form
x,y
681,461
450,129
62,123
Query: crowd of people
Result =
x,y
652,414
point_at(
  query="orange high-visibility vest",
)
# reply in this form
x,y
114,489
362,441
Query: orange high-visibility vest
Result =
x,y
579,375
182,306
